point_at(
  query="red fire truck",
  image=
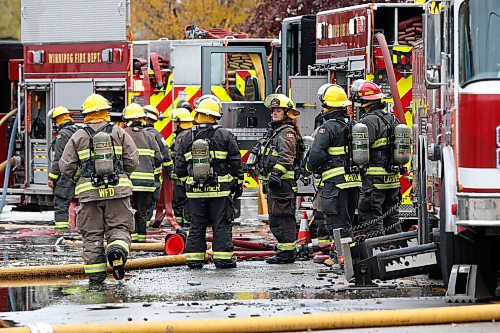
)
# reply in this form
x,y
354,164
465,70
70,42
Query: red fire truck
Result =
x,y
67,61
457,135
339,46
449,84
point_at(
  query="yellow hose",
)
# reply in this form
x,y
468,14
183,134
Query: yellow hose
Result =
x,y
150,247
3,165
7,116
323,321
11,273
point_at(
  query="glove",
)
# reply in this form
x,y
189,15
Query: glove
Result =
x,y
275,181
236,190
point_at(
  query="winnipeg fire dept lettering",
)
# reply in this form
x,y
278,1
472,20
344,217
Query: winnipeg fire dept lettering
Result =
x,y
75,58
106,192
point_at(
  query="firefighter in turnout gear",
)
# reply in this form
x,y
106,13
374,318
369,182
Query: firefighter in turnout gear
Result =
x,y
182,123
278,170
330,159
64,187
143,177
210,160
380,191
99,156
167,164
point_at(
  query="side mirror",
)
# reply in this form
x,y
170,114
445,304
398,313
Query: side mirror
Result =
x,y
252,89
432,47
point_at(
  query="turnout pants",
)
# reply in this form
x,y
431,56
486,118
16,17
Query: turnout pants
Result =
x,y
64,192
153,203
281,207
140,202
373,203
318,227
217,212
111,220
179,204
339,206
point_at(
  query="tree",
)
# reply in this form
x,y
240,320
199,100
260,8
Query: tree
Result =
x,y
268,14
152,19
10,19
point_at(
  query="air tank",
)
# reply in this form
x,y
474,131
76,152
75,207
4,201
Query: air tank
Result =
x,y
402,144
200,152
103,154
360,144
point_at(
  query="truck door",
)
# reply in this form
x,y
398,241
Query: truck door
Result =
x,y
240,77
38,136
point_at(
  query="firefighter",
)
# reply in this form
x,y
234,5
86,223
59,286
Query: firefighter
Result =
x,y
143,178
64,187
380,191
100,155
210,159
278,171
167,165
329,157
182,121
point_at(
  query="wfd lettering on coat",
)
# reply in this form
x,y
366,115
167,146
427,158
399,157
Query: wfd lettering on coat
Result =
x,y
106,192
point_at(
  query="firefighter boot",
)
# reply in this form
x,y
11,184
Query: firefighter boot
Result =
x,y
96,280
195,264
117,257
222,264
282,257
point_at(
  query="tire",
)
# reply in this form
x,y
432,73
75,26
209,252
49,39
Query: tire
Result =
x,y
453,249
488,261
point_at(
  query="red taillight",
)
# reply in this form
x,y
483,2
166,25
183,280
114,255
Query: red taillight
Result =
x,y
454,209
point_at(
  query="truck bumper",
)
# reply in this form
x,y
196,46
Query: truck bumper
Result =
x,y
478,209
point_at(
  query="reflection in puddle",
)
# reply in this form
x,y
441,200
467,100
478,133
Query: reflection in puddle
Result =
x,y
37,297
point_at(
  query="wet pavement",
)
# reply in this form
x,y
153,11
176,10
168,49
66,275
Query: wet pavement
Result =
x,y
254,289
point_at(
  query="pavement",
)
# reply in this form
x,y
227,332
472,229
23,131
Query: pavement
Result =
x,y
253,289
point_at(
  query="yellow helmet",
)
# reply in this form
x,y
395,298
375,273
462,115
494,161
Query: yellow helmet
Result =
x,y
151,112
208,105
133,111
182,114
334,96
57,111
281,101
95,103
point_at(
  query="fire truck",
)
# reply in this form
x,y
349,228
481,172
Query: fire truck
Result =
x,y
67,61
446,65
457,138
339,46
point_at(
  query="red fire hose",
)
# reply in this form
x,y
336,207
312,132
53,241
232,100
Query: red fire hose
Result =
x,y
392,78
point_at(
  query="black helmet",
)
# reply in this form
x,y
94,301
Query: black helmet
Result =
x,y
182,103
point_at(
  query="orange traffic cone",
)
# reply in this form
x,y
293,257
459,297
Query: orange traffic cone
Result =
x,y
304,229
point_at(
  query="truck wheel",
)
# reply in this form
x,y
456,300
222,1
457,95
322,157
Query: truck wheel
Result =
x,y
453,249
488,261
